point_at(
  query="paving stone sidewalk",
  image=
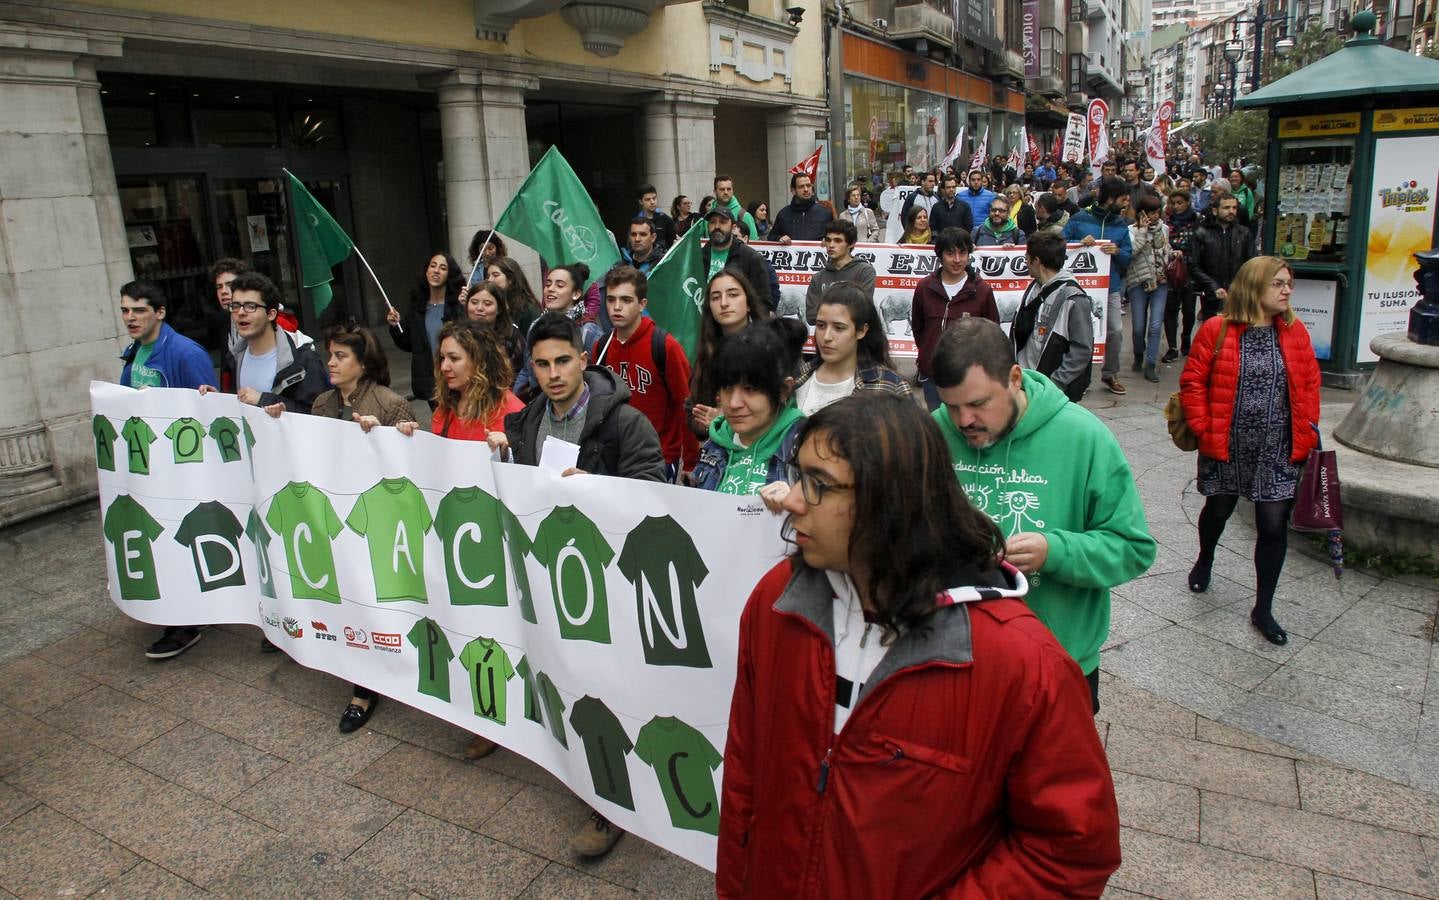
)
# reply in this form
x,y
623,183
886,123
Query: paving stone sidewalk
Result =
x,y
222,771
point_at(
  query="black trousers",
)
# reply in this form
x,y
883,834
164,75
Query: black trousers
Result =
x,y
1181,300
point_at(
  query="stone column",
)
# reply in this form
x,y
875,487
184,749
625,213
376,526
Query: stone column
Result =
x,y
793,134
680,146
63,258
482,131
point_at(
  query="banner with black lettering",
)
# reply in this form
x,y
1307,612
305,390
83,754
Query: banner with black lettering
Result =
x,y
898,269
587,623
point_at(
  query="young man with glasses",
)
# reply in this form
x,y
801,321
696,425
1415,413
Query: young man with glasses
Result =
x,y
902,725
266,364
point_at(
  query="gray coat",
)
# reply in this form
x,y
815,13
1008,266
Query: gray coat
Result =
x,y
858,272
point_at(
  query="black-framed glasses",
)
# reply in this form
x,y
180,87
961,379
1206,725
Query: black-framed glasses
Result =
x,y
812,487
248,306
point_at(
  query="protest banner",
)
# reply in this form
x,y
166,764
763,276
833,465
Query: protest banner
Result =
x,y
587,623
898,269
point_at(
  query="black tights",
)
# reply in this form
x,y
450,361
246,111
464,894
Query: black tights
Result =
x,y
1271,520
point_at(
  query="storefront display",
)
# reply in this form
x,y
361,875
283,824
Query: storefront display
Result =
x,y
1315,200
892,126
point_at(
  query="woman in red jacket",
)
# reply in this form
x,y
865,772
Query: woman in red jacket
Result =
x,y
472,383
902,725
1251,395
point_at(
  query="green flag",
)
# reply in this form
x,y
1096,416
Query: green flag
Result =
x,y
676,290
322,242
553,215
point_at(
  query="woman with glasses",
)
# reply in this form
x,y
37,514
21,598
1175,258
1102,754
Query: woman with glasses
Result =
x,y
902,725
753,436
1251,395
433,302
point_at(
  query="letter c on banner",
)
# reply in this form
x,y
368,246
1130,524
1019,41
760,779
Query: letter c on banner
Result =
x,y
469,530
302,532
679,789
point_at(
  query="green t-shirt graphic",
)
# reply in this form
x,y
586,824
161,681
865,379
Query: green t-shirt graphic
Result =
x,y
606,745
435,655
575,552
517,547
684,760
470,524
554,708
259,535
305,520
489,668
187,439
249,435
138,438
226,435
105,435
527,677
212,533
132,531
660,554
393,517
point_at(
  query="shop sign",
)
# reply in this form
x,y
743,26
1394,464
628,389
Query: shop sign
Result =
x,y
1029,37
1421,118
1319,126
1401,223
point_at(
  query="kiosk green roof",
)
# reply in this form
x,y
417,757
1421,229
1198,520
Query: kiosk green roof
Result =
x,y
1362,67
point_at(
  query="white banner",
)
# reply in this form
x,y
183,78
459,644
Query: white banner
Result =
x,y
1401,223
587,623
1074,138
899,268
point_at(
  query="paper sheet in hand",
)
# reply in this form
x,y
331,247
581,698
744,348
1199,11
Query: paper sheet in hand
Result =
x,y
558,455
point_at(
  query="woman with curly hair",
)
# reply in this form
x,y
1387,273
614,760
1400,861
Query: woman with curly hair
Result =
x,y
472,374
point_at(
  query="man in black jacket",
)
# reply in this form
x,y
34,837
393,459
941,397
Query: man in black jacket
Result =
x,y
1221,246
803,219
949,211
735,254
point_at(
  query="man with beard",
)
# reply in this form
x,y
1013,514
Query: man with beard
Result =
x,y
802,219
949,211
1221,245
725,252
1052,477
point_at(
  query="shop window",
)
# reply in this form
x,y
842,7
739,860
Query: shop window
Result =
x,y
165,229
235,116
890,126
145,112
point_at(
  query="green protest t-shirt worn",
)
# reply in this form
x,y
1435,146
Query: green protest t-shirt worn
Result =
x,y
489,668
575,552
660,559
435,654
554,708
684,760
141,375
259,535
718,258
138,438
105,435
468,521
187,439
606,746
212,533
132,531
393,517
532,707
226,435
305,520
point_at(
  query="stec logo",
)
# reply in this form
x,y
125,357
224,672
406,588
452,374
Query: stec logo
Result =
x,y
388,642
356,637
321,631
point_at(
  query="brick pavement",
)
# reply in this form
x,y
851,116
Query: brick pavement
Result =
x,y
222,771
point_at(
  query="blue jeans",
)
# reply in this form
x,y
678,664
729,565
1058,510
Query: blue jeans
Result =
x,y
1146,317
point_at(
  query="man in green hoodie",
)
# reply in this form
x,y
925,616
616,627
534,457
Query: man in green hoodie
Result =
x,y
1051,475
724,196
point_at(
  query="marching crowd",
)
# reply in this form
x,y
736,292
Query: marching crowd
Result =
x,y
915,681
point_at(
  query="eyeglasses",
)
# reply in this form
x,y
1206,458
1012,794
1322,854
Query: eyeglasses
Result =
x,y
248,306
812,488
1280,284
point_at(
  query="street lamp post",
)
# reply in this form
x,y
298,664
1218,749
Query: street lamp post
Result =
x,y
1234,47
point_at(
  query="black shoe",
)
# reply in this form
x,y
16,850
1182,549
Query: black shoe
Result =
x,y
1171,356
173,642
1271,630
267,647
354,717
1150,375
1199,576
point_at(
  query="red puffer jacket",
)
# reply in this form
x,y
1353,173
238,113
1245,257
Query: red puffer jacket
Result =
x,y
1208,385
968,767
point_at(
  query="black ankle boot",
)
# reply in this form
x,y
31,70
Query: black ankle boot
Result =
x,y
1271,629
1199,575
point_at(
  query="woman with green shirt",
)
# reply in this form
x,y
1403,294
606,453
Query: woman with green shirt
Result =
x,y
751,441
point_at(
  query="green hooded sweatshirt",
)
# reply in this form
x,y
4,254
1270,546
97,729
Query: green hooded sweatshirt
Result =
x,y
748,467
1061,473
743,217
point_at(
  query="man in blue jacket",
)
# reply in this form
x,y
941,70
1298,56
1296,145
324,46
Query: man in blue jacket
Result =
x,y
977,196
1104,221
158,355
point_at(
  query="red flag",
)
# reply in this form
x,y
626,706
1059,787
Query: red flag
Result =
x,y
1058,152
809,165
1033,150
